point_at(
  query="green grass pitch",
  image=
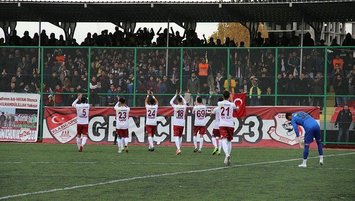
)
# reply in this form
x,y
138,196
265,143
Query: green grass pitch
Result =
x,y
59,172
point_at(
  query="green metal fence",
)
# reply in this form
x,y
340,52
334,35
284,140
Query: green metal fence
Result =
x,y
319,76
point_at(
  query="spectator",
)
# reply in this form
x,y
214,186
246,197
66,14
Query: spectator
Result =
x,y
203,70
302,88
151,84
58,97
219,82
205,91
94,89
230,85
193,85
49,101
308,41
341,90
348,40
254,92
290,89
268,99
351,86
259,40
111,95
344,120
338,62
174,78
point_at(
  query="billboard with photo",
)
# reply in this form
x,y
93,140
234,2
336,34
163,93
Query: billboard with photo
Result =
x,y
19,117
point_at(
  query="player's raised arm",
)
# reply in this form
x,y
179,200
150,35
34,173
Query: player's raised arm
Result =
x,y
183,99
146,98
76,100
172,100
156,100
116,106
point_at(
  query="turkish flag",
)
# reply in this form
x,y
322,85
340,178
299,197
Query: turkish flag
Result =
x,y
240,100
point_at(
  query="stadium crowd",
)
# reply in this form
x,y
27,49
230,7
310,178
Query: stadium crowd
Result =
x,y
204,70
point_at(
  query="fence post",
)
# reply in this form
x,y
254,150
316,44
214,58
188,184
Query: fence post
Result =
x,y
228,69
135,76
89,74
276,74
41,118
181,66
325,95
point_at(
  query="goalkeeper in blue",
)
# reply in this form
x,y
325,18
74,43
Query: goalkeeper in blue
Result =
x,y
312,130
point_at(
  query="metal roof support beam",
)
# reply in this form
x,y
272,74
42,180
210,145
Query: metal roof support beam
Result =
x,y
317,26
128,27
189,25
253,29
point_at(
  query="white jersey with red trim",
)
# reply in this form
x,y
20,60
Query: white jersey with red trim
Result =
x,y
200,114
226,113
82,112
151,117
217,112
179,115
122,116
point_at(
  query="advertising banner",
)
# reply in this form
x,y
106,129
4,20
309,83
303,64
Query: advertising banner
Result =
x,y
261,126
19,117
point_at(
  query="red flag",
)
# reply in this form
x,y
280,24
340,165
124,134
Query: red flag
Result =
x,y
240,100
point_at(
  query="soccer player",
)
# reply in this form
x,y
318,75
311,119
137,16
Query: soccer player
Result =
x,y
200,111
217,143
312,130
178,119
82,111
122,115
151,106
226,125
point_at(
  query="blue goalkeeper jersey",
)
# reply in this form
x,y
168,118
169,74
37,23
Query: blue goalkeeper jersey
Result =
x,y
303,119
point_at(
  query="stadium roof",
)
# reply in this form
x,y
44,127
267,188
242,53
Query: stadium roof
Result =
x,y
178,11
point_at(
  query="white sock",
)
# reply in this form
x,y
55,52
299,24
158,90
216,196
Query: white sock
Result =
x,y
321,158
201,142
304,161
219,143
78,142
225,146
126,141
195,141
177,142
150,140
229,147
83,141
180,141
214,142
119,143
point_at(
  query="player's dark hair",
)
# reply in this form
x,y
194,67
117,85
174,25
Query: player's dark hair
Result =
x,y
199,99
151,100
179,99
226,95
122,100
288,114
220,99
83,99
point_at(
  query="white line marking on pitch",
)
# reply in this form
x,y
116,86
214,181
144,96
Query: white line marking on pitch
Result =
x,y
161,175
318,167
87,162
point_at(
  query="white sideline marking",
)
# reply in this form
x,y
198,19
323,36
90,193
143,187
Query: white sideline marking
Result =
x,y
320,167
161,175
87,162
